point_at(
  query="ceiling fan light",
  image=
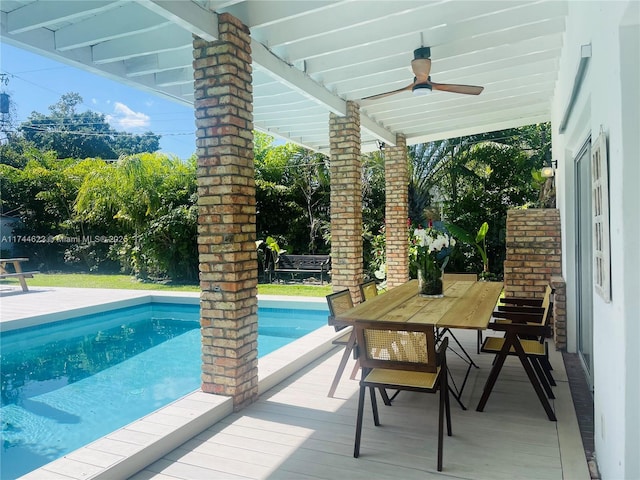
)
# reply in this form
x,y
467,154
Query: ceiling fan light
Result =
x,y
421,89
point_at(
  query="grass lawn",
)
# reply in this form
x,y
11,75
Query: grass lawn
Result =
x,y
88,280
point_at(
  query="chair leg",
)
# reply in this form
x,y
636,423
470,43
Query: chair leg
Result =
x,y
374,406
356,447
385,397
354,371
498,362
443,392
546,368
343,363
542,377
534,381
479,341
447,406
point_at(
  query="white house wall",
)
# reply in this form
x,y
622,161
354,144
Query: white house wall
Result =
x,y
609,100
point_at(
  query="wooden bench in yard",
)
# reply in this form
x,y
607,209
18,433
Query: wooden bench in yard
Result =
x,y
294,264
17,273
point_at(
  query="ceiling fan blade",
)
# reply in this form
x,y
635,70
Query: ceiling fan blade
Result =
x,y
393,92
453,88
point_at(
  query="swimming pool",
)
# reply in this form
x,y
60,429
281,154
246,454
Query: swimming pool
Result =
x,y
68,383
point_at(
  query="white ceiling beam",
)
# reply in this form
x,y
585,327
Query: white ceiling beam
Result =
x,y
43,14
276,115
300,82
460,113
395,26
524,35
158,62
466,31
188,15
343,16
182,76
171,37
270,116
481,118
119,22
261,14
493,126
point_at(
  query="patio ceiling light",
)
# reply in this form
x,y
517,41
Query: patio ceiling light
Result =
x,y
548,171
421,89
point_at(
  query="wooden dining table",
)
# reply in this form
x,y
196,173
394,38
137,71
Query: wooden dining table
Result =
x,y
465,305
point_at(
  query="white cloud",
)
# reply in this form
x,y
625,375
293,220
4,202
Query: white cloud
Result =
x,y
124,118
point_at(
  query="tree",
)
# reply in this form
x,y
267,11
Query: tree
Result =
x,y
309,173
152,198
73,134
41,194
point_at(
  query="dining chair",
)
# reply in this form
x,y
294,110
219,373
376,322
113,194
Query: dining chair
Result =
x,y
368,290
340,302
530,305
401,356
525,337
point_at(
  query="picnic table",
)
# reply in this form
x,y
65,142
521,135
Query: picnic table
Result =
x,y
17,271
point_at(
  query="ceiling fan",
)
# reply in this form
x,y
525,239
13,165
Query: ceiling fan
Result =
x,y
422,84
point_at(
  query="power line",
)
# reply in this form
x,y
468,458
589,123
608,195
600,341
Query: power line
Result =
x,y
104,134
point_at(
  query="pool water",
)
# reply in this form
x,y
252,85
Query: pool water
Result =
x,y
69,383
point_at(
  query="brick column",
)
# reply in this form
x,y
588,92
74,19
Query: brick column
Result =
x,y
227,213
534,251
346,201
396,168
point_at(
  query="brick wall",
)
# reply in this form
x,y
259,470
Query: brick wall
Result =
x,y
534,259
533,251
396,168
226,213
346,201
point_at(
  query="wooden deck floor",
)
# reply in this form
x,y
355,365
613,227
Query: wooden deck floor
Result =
x,y
294,431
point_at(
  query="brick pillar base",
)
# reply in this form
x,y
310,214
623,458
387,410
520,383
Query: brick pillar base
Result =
x,y
559,312
346,201
227,213
396,168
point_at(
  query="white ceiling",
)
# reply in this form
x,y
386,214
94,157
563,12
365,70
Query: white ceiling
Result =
x,y
310,57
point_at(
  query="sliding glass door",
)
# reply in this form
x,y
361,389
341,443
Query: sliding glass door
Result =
x,y
584,256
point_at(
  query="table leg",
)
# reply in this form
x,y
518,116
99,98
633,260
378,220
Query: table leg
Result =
x,y
23,282
468,357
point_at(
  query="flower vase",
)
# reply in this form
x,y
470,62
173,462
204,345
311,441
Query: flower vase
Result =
x,y
430,281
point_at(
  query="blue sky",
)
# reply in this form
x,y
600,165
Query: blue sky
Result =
x,y
36,82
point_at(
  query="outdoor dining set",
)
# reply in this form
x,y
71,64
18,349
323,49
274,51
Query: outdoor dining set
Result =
x,y
400,340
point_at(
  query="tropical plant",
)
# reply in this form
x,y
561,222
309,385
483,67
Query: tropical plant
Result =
x,y
478,241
